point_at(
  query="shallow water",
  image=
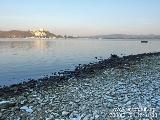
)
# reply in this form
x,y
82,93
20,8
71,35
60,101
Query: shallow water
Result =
x,y
21,59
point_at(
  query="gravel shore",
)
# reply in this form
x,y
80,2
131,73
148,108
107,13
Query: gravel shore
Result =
x,y
128,92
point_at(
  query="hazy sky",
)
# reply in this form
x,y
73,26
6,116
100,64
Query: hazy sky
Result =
x,y
82,17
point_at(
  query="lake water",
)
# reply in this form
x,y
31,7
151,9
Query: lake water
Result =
x,y
21,59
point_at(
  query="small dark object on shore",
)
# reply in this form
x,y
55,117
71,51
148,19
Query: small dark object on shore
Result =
x,y
114,56
144,41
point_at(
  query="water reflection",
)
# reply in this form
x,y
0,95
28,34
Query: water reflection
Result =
x,y
40,44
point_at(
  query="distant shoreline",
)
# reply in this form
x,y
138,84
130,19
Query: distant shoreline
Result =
x,y
28,34
47,34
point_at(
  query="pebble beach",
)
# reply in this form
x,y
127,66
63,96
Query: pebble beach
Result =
x,y
127,91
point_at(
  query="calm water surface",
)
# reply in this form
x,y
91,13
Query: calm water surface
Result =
x,y
21,59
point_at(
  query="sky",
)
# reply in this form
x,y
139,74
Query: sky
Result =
x,y
82,17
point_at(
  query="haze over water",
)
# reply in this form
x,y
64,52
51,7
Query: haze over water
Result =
x,y
21,59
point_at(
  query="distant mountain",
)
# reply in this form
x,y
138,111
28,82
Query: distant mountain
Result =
x,y
125,36
25,34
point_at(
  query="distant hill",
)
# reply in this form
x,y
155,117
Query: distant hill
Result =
x,y
125,36
15,34
26,34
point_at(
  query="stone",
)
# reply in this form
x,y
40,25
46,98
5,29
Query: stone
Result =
x,y
27,109
96,116
65,113
6,104
75,116
87,117
50,117
0,114
77,100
